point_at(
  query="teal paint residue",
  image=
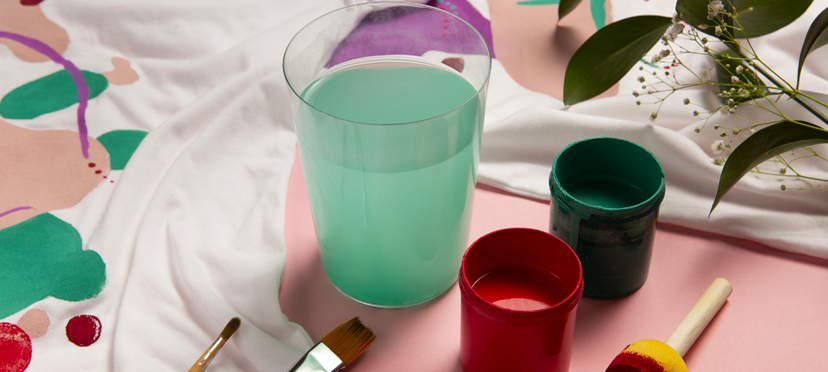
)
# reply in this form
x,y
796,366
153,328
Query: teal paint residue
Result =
x,y
121,144
599,13
44,257
647,63
48,94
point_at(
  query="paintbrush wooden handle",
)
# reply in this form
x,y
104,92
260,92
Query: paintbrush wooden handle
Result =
x,y
699,316
208,356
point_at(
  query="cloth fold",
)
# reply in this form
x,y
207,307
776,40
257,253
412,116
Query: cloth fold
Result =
x,y
192,230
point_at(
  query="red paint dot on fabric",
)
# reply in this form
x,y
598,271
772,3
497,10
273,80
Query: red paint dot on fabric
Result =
x,y
91,165
15,348
444,35
83,330
445,27
446,21
111,181
98,171
30,2
104,177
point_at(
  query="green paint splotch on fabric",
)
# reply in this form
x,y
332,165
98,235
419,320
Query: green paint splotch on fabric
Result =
x,y
599,13
121,144
44,257
48,94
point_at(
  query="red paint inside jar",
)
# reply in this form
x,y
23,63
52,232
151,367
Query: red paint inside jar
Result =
x,y
521,287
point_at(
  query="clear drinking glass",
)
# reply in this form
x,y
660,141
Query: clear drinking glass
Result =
x,y
388,102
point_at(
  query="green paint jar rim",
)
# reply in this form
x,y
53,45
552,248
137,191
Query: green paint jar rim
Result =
x,y
591,211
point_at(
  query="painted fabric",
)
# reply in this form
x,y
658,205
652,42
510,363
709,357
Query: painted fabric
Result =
x,y
145,149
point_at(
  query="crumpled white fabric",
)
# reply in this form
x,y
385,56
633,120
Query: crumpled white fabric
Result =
x,y
523,135
193,233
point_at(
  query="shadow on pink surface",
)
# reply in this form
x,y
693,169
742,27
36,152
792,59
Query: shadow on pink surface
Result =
x,y
776,296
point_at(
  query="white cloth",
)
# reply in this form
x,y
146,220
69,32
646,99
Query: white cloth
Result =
x,y
523,134
192,230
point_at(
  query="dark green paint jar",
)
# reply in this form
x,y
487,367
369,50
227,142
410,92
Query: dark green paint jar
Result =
x,y
606,194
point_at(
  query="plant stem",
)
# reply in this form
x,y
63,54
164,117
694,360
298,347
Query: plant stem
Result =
x,y
779,84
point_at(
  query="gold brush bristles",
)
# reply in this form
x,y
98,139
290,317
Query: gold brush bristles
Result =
x,y
349,340
230,328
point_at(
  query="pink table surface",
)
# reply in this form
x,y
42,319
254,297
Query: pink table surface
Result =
x,y
775,320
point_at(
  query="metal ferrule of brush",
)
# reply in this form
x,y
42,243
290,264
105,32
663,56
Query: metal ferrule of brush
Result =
x,y
318,359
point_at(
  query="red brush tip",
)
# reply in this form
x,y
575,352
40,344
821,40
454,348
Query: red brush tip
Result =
x,y
634,362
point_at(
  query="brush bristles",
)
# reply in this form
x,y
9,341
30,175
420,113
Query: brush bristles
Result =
x,y
230,328
349,340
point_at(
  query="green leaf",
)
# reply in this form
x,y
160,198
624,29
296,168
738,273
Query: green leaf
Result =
x,y
566,7
724,74
815,38
758,17
763,145
609,54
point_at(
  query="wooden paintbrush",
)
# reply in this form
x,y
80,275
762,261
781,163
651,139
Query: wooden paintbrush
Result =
x,y
204,360
337,349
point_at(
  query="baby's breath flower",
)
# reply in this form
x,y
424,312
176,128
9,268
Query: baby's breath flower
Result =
x,y
723,134
702,27
687,101
664,53
752,130
697,130
674,31
640,79
718,161
714,8
638,103
653,116
734,79
696,113
783,170
635,93
739,69
704,39
716,126
656,59
717,146
717,31
705,75
783,188
743,93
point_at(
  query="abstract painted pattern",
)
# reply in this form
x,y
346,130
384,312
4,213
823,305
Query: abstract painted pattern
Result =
x,y
47,170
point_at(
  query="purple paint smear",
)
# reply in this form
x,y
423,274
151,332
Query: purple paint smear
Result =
x,y
411,32
77,77
10,211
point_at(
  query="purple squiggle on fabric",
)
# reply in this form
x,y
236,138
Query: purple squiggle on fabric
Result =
x,y
10,211
77,77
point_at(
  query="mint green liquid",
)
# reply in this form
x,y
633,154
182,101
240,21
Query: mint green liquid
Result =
x,y
391,203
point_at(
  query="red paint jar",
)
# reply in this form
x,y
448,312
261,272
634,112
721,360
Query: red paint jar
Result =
x,y
520,290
